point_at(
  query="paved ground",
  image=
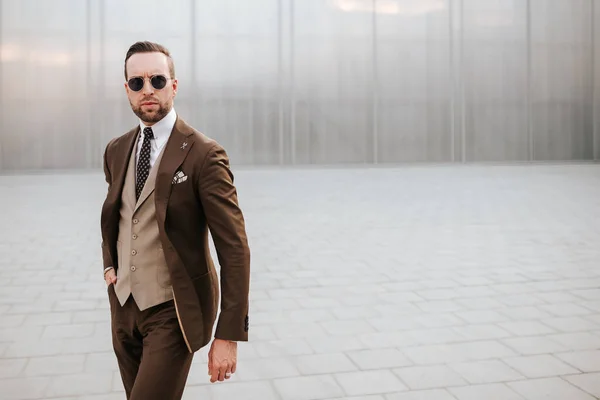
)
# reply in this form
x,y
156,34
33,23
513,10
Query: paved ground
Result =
x,y
415,283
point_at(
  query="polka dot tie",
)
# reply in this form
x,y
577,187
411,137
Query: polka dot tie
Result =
x,y
143,166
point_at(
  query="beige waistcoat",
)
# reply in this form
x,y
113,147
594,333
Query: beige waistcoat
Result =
x,y
142,268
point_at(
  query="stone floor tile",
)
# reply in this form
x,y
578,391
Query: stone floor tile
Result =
x,y
583,360
549,389
589,382
237,390
577,340
334,344
80,384
100,362
486,371
55,365
429,377
34,348
21,333
381,340
50,318
106,396
534,345
570,324
378,358
433,394
526,328
317,364
525,313
481,332
369,382
12,367
432,336
588,294
375,397
457,352
285,347
24,388
68,331
308,387
540,366
481,316
488,391
265,368
347,327
566,309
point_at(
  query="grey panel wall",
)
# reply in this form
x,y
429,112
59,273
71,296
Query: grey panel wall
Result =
x,y
413,81
495,80
44,84
562,79
310,81
236,77
332,54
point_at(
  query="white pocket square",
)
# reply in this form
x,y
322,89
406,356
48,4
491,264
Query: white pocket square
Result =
x,y
179,177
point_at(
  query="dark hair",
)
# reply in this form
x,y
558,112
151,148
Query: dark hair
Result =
x,y
150,47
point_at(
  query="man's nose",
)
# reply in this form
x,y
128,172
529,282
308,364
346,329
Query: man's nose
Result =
x,y
147,89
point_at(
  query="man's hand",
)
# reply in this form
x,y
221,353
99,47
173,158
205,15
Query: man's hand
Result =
x,y
222,359
110,276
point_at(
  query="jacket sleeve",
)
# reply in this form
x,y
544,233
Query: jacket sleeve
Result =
x,y
106,258
219,199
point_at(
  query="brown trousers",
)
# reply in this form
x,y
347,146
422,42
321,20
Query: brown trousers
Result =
x,y
153,359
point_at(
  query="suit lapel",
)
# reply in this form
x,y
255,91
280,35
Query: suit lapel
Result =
x,y
150,182
176,150
123,154
129,187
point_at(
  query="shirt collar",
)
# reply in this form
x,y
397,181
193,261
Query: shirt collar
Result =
x,y
162,129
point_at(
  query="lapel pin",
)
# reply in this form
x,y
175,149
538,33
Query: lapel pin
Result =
x,y
183,146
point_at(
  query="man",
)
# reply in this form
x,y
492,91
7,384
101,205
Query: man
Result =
x,y
168,184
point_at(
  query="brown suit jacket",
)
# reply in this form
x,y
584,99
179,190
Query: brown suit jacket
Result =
x,y
185,210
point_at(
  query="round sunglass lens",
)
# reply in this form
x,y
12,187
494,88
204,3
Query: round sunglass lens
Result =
x,y
136,84
159,81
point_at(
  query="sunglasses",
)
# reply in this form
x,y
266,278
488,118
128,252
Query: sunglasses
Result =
x,y
158,82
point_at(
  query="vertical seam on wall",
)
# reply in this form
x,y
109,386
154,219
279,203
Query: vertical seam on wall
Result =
x,y
593,44
280,77
375,86
1,94
100,85
529,84
90,158
292,86
452,82
193,44
462,82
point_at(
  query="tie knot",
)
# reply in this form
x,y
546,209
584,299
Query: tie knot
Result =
x,y
148,133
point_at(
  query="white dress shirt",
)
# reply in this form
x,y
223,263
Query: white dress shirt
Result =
x,y
161,130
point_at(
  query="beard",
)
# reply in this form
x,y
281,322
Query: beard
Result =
x,y
154,115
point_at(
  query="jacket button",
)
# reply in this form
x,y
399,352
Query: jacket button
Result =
x,y
133,267
134,236
135,220
133,252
